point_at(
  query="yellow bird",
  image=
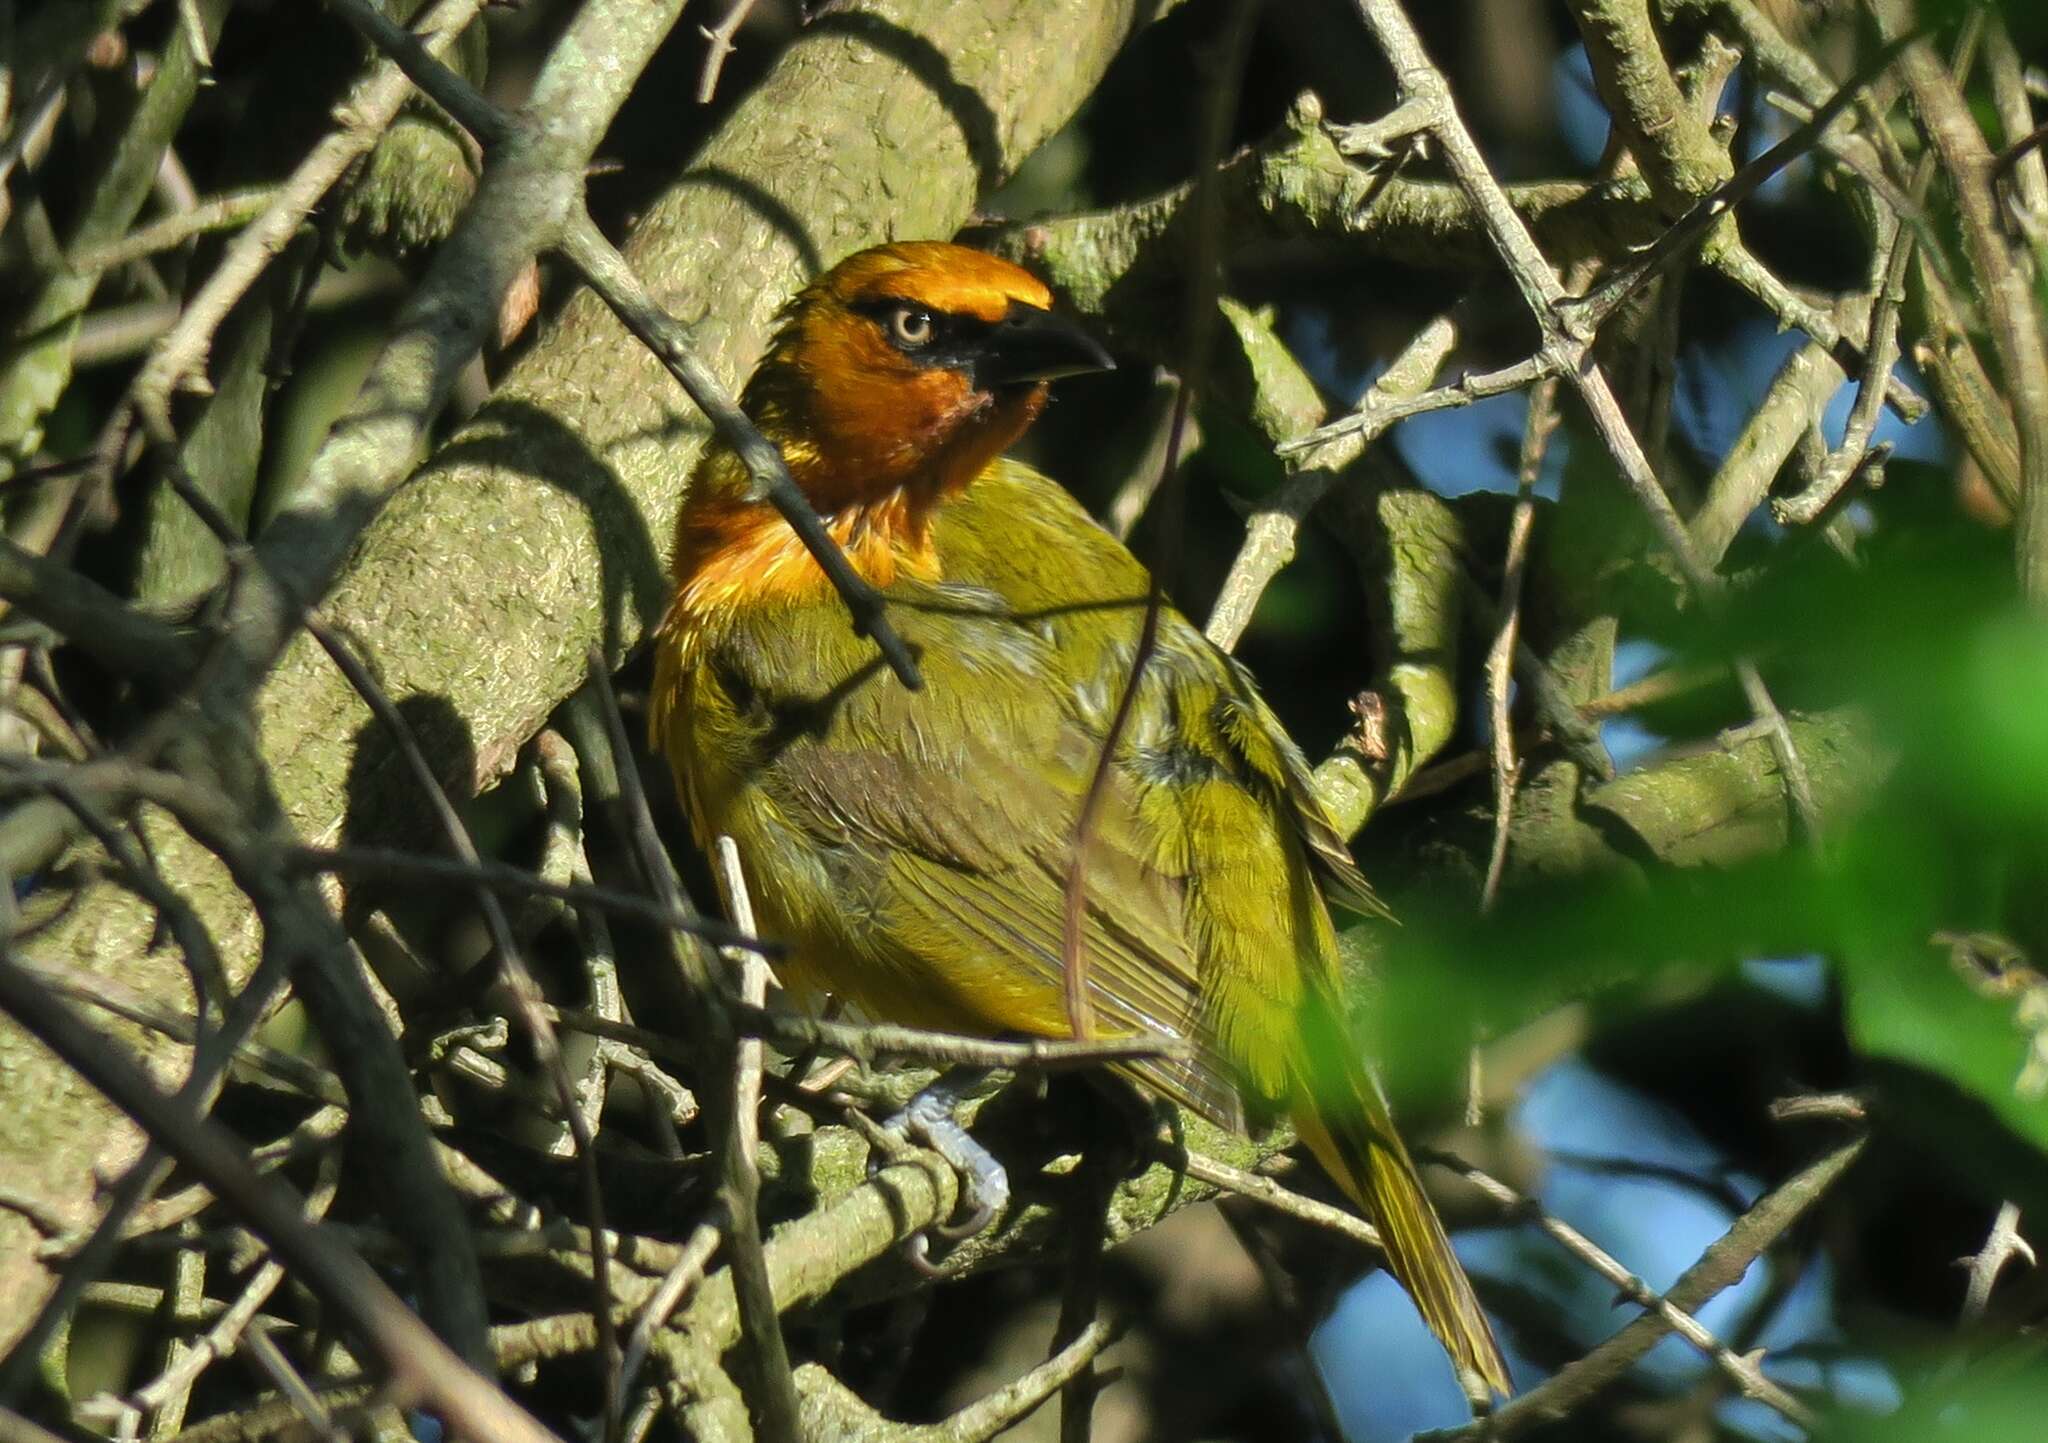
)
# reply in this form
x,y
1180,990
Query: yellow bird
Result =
x,y
912,848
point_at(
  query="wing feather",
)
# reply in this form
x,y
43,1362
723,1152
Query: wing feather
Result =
x,y
922,840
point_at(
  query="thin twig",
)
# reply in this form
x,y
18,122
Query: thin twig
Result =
x,y
1148,473
210,986
1708,210
742,1141
116,334
195,33
869,1042
754,978
120,1000
419,869
1744,1370
519,980
832,1410
676,1284
1736,264
91,1257
270,1358
1565,348
1381,411
2001,1246
423,66
1831,1106
670,1104
422,1369
1270,534
990,1415
1854,456
2005,287
767,1382
1720,1267
606,272
1281,1199
223,1337
1500,657
720,36
2020,149
310,1138
222,212
2024,169
381,1068
366,114
1087,1238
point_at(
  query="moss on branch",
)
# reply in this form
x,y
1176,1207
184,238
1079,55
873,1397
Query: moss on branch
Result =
x,y
1126,265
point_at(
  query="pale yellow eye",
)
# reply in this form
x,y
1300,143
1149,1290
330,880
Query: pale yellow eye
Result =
x,y
910,325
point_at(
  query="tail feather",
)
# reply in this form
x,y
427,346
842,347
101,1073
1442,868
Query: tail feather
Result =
x,y
1350,1130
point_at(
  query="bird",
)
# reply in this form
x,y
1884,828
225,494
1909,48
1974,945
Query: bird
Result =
x,y
911,847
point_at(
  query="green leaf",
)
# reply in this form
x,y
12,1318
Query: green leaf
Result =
x,y
1922,1010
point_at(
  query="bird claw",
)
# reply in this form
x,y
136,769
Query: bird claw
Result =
x,y
927,1119
917,1251
984,1213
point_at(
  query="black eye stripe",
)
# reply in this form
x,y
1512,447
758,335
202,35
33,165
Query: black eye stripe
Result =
x,y
952,335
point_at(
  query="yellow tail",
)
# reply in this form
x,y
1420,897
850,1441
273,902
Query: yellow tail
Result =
x,y
1347,1125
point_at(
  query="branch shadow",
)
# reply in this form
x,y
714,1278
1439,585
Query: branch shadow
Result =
x,y
523,439
979,127
383,804
386,807
775,212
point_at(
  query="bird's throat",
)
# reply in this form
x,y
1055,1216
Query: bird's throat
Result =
x,y
734,557
734,554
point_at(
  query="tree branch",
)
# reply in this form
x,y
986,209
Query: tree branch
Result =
x,y
421,1368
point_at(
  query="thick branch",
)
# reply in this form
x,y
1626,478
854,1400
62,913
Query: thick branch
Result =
x,y
1667,137
1125,265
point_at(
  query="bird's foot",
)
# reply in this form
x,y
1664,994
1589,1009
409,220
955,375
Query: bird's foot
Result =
x,y
928,1120
984,1184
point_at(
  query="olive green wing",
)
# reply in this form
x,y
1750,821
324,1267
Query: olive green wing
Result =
x,y
1256,735
1022,533
916,845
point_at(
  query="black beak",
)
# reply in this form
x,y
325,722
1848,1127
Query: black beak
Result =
x,y
1030,345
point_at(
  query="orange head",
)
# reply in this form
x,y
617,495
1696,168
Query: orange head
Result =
x,y
908,368
895,379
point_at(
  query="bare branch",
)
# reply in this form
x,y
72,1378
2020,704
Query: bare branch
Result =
x,y
2008,295
422,1369
420,869
2001,1246
1720,1267
181,354
720,36
607,273
1745,1371
1284,1200
223,212
1500,657
1566,350
770,1389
